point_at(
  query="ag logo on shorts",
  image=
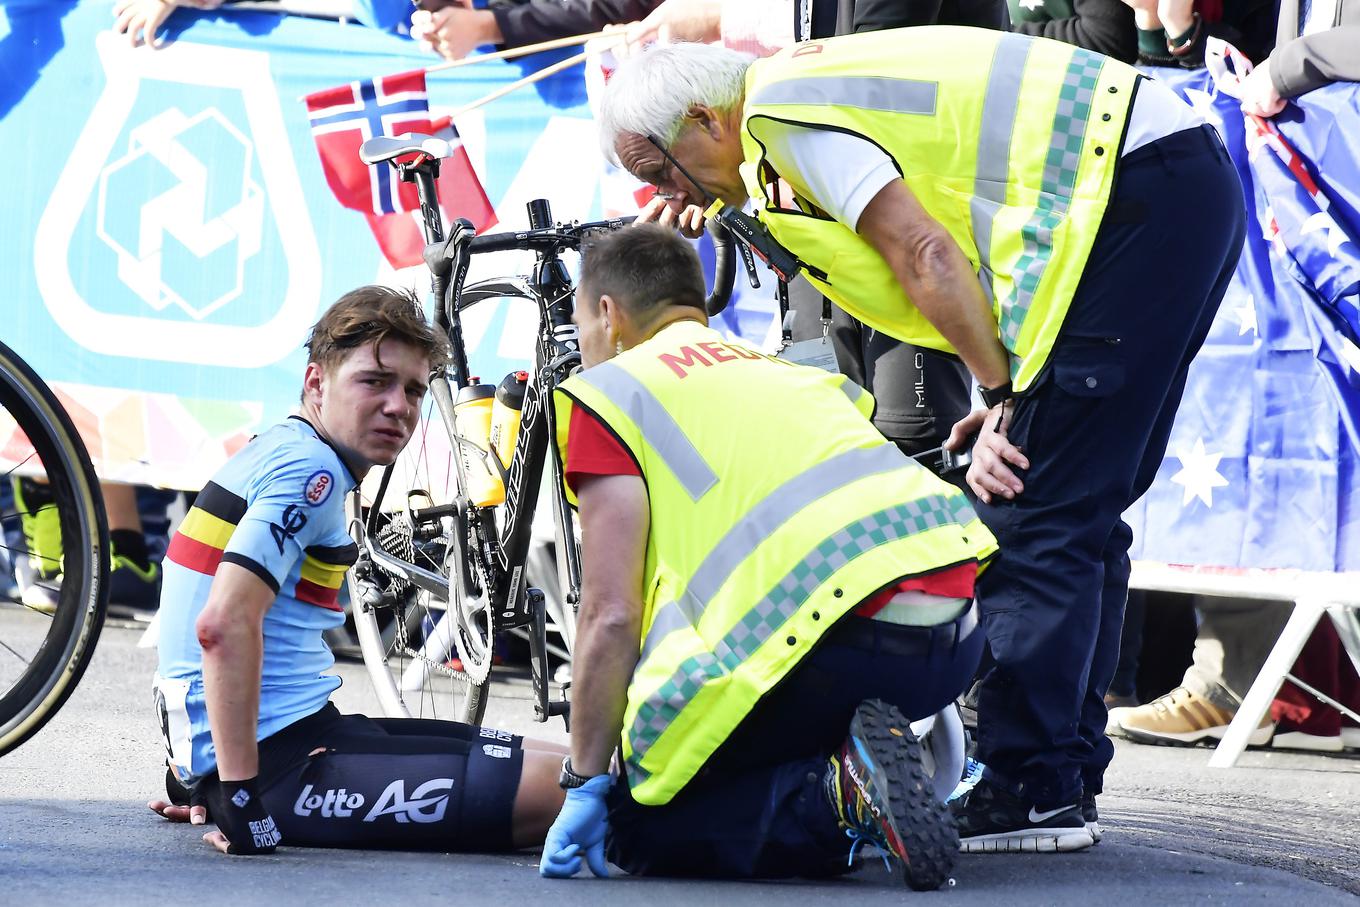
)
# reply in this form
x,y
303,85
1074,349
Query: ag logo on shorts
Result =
x,y
427,803
318,487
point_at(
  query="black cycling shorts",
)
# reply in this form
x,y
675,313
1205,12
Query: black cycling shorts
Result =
x,y
390,783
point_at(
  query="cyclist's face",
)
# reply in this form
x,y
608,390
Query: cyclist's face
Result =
x,y
368,405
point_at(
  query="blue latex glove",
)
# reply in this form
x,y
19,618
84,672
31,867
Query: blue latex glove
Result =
x,y
580,826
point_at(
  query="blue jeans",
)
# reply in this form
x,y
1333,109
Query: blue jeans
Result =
x,y
756,809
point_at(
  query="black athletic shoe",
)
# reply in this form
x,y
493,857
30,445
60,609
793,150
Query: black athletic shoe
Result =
x,y
881,795
1090,816
991,820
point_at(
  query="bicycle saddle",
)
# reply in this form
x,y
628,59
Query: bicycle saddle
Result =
x,y
385,147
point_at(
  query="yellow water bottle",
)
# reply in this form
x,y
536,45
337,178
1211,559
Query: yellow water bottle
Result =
x,y
472,415
506,412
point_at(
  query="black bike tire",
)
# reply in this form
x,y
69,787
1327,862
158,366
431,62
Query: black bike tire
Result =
x,y
70,642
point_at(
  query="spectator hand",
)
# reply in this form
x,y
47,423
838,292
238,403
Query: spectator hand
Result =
x,y
990,473
1177,16
689,221
1259,95
675,20
455,31
580,826
141,19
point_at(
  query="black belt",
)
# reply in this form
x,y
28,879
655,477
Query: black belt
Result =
x,y
902,639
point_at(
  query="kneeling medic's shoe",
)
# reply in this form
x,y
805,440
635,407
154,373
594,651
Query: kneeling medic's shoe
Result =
x,y
883,796
990,819
1180,718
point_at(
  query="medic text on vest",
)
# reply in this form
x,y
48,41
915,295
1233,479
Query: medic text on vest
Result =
x,y
717,353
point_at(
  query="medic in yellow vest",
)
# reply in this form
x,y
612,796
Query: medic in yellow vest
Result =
x,y
755,509
1061,223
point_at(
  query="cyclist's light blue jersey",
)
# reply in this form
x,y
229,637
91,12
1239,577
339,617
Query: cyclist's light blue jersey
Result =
x,y
277,509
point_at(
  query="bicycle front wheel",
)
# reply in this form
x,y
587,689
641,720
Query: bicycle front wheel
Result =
x,y
56,543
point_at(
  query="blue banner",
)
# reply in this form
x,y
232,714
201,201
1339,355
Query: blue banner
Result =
x,y
1262,468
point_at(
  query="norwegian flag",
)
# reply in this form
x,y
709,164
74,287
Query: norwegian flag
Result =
x,y
343,118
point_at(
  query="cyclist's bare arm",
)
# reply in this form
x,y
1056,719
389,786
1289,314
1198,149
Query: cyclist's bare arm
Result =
x,y
230,630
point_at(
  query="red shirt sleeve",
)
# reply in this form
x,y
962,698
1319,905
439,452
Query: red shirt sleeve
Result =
x,y
593,451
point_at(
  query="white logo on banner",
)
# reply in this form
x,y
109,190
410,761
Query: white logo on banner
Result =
x,y
181,212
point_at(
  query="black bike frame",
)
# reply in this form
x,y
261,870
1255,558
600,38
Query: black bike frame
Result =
x,y
503,555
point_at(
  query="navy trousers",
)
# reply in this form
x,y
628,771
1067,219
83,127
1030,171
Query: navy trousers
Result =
x,y
1095,430
756,809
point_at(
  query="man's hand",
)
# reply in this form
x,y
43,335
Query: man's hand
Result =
x,y
1259,95
580,826
455,31
141,19
690,221
194,815
993,455
244,825
675,20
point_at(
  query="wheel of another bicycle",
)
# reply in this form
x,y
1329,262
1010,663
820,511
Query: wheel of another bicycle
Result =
x,y
56,539
412,675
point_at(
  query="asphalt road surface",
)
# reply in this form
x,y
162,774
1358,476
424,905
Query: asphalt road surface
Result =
x,y
1280,828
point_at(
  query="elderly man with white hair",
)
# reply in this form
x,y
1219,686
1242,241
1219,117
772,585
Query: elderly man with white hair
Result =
x,y
1063,225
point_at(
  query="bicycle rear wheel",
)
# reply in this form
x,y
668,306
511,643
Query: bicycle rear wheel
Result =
x,y
402,630
56,539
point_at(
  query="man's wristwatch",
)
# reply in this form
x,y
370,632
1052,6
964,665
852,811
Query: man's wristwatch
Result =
x,y
569,780
991,396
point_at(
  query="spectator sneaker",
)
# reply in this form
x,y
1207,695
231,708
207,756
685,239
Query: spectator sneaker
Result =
x,y
134,590
37,570
1180,718
992,820
1090,816
882,796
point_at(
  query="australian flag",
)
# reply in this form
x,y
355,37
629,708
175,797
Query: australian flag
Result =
x,y
343,118
1263,464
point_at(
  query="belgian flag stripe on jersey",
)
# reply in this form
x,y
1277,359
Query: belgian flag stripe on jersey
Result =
x,y
207,529
319,581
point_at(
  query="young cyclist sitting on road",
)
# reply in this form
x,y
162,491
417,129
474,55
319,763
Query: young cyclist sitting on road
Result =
x,y
251,584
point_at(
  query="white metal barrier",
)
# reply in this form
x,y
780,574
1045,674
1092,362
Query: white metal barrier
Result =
x,y
1336,595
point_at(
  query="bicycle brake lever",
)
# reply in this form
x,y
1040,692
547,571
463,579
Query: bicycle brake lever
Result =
x,y
748,261
438,256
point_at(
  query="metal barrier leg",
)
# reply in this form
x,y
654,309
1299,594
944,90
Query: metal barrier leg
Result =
x,y
1346,618
1306,614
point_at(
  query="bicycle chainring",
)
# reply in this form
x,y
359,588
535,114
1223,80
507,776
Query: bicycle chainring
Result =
x,y
472,611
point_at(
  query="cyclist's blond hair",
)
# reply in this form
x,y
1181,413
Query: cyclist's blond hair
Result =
x,y
373,314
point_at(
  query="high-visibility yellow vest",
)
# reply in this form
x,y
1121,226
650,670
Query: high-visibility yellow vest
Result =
x,y
1010,142
775,507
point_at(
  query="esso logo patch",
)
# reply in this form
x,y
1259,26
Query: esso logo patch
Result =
x,y
319,487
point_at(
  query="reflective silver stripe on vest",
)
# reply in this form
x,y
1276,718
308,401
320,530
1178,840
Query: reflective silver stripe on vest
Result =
x,y
867,92
853,391
759,523
657,427
1000,106
782,602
